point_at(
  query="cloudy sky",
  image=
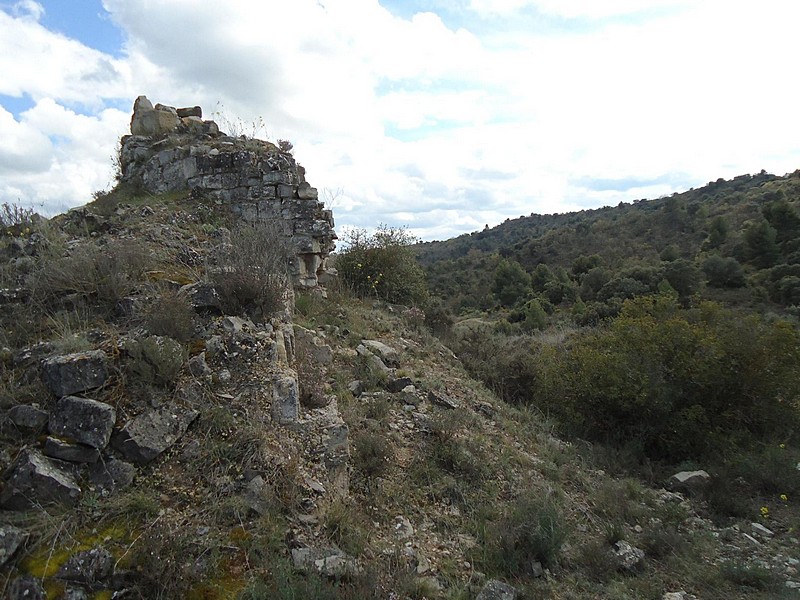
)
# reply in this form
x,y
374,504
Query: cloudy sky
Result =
x,y
440,115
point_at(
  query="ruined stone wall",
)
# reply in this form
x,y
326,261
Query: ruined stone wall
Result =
x,y
258,180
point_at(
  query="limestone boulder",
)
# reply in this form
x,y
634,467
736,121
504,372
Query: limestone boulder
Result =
x,y
88,567
83,420
149,120
497,590
146,436
690,482
78,453
193,111
35,479
330,561
627,556
27,417
285,400
73,373
387,354
111,474
11,538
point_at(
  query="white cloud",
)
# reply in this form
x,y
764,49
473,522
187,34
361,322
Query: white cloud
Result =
x,y
419,122
28,9
571,9
53,159
40,63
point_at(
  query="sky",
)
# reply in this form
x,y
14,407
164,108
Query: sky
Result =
x,y
442,116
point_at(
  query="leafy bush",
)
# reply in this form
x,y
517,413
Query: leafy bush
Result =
x,y
723,272
170,315
251,273
155,360
383,265
533,530
685,383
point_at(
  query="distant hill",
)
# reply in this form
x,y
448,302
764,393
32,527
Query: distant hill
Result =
x,y
750,219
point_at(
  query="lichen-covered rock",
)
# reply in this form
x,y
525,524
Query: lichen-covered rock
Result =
x,y
27,417
83,420
73,373
330,562
628,557
112,474
55,448
87,567
497,590
202,296
25,588
34,479
148,435
10,539
285,400
387,354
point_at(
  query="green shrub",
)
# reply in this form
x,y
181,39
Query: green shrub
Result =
x,y
171,315
511,283
155,360
751,575
372,454
723,272
383,265
685,383
251,273
533,530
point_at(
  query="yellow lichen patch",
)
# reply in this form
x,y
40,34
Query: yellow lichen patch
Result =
x,y
103,595
46,562
226,588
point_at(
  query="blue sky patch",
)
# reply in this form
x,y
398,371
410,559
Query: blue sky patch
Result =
x,y
15,105
86,21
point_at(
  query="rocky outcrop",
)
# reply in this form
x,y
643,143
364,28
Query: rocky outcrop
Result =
x,y
74,373
10,539
82,420
34,479
148,435
497,590
257,180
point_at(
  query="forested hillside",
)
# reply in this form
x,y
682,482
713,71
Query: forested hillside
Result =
x,y
734,241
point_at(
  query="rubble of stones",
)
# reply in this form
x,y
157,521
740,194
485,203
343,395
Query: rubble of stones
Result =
x,y
175,149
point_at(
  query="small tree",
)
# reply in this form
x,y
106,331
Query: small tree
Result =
x,y
383,265
723,272
511,283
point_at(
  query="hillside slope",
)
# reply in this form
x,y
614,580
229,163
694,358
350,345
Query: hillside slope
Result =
x,y
724,219
400,477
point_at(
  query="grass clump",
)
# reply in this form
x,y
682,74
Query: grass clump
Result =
x,y
251,272
104,275
372,454
534,529
751,575
171,315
